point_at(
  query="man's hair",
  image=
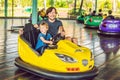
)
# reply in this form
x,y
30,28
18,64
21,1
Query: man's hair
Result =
x,y
110,12
50,9
100,10
43,23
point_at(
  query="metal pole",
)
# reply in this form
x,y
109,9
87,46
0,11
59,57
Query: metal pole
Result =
x,y
5,34
6,7
45,4
12,8
34,11
96,5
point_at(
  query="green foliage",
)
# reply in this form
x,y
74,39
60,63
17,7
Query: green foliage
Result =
x,y
87,4
76,12
118,3
107,5
61,4
51,2
26,2
2,3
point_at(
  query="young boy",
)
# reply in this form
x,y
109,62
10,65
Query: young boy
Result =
x,y
43,38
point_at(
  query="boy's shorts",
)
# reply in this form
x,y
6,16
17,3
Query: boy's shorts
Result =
x,y
41,49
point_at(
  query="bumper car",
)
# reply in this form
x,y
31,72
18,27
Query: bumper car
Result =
x,y
109,27
93,21
28,9
80,19
66,61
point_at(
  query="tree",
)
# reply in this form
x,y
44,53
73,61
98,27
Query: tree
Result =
x,y
81,6
2,3
52,3
87,4
25,3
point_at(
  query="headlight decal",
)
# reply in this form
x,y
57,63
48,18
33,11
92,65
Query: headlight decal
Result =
x,y
66,58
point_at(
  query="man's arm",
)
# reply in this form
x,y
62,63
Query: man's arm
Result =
x,y
61,30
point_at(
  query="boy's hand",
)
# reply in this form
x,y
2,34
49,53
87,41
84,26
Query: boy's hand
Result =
x,y
51,42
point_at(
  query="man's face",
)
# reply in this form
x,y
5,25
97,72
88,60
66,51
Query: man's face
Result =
x,y
52,15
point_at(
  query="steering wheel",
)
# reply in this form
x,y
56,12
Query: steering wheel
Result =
x,y
57,38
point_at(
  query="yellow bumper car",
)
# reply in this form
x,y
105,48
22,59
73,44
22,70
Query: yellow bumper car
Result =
x,y
67,61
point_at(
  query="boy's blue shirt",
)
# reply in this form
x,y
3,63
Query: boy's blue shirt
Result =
x,y
53,26
40,43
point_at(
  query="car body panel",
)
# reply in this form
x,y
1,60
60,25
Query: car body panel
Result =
x,y
110,26
67,58
93,21
80,19
29,56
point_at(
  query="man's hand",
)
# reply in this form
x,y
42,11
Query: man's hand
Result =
x,y
62,33
20,31
36,25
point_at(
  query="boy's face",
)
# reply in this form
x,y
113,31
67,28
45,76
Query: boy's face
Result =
x,y
43,29
52,15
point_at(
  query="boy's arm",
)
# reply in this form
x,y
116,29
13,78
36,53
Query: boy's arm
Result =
x,y
46,41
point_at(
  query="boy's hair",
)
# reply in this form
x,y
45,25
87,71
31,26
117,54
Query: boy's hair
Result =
x,y
50,9
43,23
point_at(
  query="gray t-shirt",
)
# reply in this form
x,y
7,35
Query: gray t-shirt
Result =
x,y
54,26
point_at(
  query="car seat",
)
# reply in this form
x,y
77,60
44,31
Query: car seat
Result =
x,y
30,33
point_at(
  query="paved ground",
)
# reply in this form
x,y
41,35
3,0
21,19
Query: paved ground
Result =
x,y
105,50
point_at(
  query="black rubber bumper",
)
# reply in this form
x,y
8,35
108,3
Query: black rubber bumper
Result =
x,y
54,75
80,21
91,27
108,33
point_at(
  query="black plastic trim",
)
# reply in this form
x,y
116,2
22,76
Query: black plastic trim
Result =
x,y
54,75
